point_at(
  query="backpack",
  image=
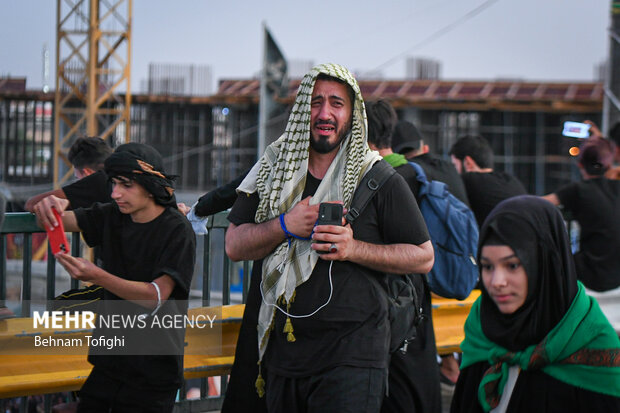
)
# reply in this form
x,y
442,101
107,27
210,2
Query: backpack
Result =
x,y
402,292
454,234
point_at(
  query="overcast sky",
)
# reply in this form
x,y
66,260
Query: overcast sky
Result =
x,y
554,40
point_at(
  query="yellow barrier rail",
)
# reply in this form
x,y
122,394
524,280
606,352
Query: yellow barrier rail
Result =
x,y
449,320
26,374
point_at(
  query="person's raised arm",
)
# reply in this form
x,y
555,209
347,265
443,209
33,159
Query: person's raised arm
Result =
x,y
219,199
553,198
254,241
33,201
595,132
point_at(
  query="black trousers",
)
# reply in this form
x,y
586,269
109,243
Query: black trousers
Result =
x,y
241,396
103,393
342,389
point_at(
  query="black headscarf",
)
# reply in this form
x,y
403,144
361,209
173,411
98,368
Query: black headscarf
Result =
x,y
143,164
535,231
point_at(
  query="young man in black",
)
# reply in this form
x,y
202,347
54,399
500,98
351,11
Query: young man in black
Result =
x,y
326,345
472,157
148,256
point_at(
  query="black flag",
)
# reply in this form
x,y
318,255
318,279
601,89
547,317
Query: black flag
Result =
x,y
274,85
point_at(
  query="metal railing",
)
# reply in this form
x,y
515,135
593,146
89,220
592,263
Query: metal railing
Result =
x,y
208,288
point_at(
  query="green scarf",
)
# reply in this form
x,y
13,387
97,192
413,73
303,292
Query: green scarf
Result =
x,y
279,177
395,159
583,350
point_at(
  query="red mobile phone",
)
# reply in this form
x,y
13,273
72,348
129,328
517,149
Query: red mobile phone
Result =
x,y
57,237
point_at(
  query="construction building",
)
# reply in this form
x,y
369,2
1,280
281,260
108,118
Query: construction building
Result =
x,y
209,140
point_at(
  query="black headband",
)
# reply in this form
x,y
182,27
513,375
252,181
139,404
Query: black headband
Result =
x,y
132,166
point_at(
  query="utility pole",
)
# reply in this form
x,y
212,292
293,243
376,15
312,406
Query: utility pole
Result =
x,y
93,66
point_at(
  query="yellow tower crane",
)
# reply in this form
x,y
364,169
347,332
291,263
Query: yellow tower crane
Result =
x,y
93,89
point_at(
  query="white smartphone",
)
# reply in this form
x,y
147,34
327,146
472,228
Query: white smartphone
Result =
x,y
576,130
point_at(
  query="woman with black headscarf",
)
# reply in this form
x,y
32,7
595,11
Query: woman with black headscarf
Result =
x,y
534,341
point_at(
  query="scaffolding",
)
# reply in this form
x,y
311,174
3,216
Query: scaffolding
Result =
x,y
93,51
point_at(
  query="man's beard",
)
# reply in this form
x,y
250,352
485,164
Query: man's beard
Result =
x,y
322,145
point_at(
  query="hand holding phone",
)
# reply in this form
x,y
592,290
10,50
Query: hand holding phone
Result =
x,y
57,237
329,214
44,209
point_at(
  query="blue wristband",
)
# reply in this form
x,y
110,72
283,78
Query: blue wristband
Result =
x,y
288,234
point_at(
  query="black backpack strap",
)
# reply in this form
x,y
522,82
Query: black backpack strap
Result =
x,y
368,187
405,304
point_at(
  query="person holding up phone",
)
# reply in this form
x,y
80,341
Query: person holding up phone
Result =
x,y
613,134
321,331
595,203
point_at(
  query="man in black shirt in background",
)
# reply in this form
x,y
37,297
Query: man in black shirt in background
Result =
x,y
472,157
595,203
87,156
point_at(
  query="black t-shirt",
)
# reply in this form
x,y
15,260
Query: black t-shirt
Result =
x,y
84,192
595,204
487,189
436,170
143,252
352,329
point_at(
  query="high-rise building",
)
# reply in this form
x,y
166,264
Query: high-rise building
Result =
x,y
179,79
418,68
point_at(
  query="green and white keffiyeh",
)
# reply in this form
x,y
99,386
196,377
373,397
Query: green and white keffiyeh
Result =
x,y
280,178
